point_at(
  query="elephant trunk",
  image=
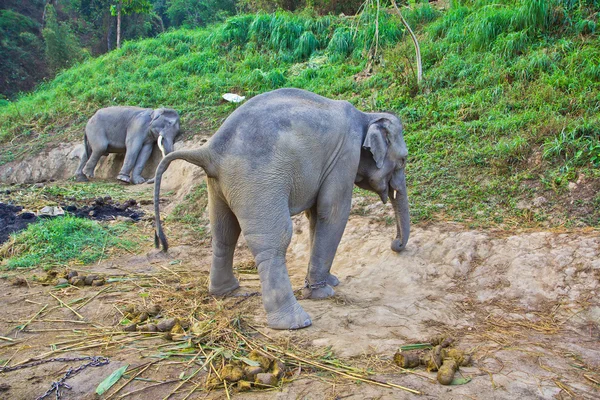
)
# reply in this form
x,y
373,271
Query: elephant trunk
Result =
x,y
400,204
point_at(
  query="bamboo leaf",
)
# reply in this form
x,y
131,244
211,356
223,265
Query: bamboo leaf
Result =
x,y
460,381
106,384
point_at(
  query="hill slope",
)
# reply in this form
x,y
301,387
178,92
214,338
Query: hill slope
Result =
x,y
502,131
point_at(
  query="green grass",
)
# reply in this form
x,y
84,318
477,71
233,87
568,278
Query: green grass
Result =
x,y
63,241
191,210
507,112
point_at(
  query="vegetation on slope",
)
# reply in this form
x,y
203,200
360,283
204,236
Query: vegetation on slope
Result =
x,y
503,130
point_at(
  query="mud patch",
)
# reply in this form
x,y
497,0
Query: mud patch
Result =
x,y
104,209
12,220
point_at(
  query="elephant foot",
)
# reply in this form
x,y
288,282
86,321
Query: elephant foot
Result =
x,y
123,178
332,280
149,181
137,180
88,174
317,293
81,178
290,317
225,288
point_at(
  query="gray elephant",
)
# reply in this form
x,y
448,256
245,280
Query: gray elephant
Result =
x,y
129,130
281,153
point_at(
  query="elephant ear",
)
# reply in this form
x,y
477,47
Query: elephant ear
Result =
x,y
156,114
377,140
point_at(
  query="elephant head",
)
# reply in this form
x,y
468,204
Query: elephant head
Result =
x,y
164,125
381,169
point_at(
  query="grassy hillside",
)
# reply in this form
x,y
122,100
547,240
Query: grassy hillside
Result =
x,y
503,130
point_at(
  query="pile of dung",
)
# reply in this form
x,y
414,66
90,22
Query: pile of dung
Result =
x,y
12,220
105,209
437,355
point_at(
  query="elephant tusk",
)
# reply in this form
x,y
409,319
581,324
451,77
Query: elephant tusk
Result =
x,y
160,146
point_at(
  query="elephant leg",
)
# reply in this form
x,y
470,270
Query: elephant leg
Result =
x,y
311,214
132,152
268,234
142,159
225,231
79,176
90,166
327,222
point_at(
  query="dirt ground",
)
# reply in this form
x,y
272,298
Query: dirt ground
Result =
x,y
524,303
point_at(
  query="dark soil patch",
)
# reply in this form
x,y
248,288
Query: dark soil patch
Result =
x,y
103,209
11,221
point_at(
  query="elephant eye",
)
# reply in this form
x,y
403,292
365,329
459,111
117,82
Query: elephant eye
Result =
x,y
401,163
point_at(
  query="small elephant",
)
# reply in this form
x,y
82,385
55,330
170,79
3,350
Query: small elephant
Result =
x,y
129,130
281,153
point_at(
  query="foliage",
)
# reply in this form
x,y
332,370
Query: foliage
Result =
x,y
21,51
192,210
62,49
63,240
506,111
197,13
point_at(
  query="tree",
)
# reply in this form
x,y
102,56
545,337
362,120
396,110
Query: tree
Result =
x,y
126,7
62,46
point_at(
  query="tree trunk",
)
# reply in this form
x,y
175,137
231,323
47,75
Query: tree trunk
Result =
x,y
416,43
119,25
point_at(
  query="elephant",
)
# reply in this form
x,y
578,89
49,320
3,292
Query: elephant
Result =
x,y
129,130
281,153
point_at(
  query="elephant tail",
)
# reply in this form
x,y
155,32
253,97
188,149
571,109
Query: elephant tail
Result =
x,y
200,157
86,146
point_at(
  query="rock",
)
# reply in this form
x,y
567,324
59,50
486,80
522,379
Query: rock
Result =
x,y
98,282
89,279
72,274
39,185
266,379
77,281
70,208
121,218
167,324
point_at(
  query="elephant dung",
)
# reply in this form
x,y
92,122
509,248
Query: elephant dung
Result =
x,y
98,282
89,279
434,359
244,386
410,359
264,361
278,368
458,355
267,379
251,372
231,373
77,281
446,372
167,324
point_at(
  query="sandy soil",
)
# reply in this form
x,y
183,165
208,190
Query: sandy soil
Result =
x,y
526,305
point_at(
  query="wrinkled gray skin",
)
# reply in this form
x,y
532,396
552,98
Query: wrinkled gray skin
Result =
x,y
282,153
129,130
